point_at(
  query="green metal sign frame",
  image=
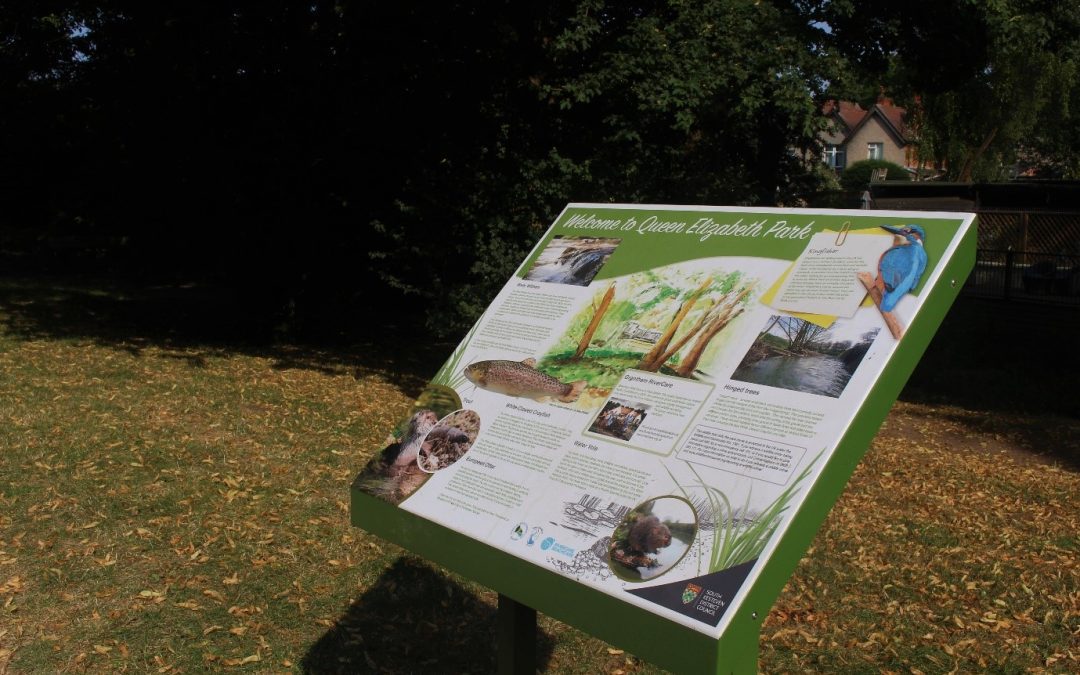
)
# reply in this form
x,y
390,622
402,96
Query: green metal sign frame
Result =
x,y
664,642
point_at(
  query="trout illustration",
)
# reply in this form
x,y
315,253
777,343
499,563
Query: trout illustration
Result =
x,y
515,378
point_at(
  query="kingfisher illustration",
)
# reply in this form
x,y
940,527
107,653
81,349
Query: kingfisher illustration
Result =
x,y
901,267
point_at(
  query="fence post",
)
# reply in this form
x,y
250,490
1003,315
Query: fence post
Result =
x,y
1025,222
1008,272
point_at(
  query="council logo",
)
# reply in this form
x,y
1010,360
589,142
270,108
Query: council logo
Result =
x,y
690,593
519,531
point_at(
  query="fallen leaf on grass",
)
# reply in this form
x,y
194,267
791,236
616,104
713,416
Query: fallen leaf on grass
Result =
x,y
189,604
244,611
102,649
254,658
214,594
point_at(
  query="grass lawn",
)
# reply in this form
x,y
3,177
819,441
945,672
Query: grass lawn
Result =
x,y
180,506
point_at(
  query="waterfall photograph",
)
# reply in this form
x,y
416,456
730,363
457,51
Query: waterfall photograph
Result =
x,y
572,260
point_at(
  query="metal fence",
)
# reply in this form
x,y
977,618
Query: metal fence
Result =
x,y
1028,255
1023,275
1030,231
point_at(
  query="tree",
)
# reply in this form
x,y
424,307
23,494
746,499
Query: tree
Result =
x,y
802,336
982,81
723,301
655,357
709,327
598,315
331,159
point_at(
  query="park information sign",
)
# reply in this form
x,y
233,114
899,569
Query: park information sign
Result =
x,y
644,430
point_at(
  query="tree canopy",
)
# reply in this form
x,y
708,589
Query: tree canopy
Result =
x,y
986,83
319,154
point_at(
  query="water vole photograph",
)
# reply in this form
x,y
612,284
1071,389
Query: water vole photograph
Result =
x,y
790,353
652,538
572,260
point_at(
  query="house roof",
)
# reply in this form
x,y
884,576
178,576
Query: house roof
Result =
x,y
853,116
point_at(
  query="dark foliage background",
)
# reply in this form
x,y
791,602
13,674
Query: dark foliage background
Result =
x,y
327,159
331,166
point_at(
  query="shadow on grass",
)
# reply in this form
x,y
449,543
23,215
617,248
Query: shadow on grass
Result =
x,y
192,323
1014,362
414,619
988,355
994,355
1031,440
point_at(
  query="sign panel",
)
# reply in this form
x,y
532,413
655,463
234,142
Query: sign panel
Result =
x,y
659,392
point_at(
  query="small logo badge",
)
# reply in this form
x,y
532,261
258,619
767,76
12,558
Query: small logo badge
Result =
x,y
534,535
690,593
519,531
546,544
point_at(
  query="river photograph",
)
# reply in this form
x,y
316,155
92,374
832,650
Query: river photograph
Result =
x,y
790,353
572,260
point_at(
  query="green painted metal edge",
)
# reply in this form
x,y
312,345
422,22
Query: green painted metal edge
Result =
x,y
639,631
662,642
856,441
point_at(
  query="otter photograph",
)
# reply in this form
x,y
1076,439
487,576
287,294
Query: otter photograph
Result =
x,y
652,538
572,260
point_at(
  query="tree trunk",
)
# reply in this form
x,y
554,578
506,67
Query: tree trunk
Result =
x,y
775,320
595,323
969,163
798,343
681,342
687,367
651,360
723,318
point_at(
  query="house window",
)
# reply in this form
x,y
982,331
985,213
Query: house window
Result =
x,y
833,156
875,151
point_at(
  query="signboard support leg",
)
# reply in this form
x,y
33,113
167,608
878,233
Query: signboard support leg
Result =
x,y
517,637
